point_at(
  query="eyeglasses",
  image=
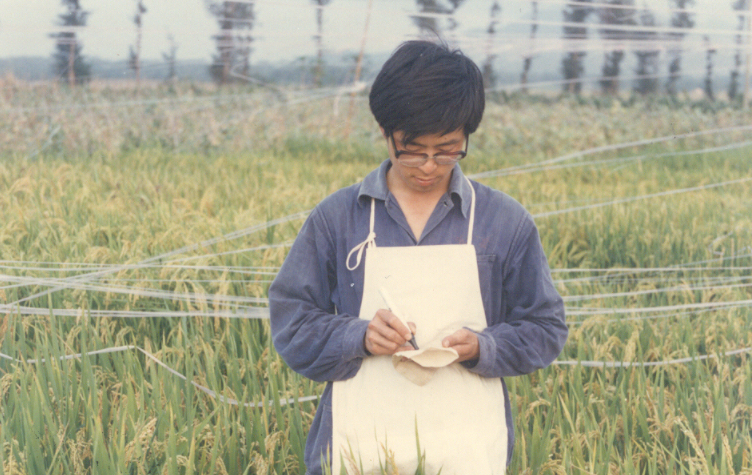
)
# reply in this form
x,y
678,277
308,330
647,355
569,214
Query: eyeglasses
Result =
x,y
415,160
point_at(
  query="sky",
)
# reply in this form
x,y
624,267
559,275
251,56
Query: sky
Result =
x,y
284,29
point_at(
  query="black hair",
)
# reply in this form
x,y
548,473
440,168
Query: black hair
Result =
x,y
425,88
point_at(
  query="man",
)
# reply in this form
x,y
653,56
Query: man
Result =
x,y
417,251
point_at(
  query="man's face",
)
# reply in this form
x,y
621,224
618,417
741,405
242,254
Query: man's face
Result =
x,y
430,177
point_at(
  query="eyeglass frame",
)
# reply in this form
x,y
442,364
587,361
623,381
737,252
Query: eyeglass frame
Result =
x,y
462,154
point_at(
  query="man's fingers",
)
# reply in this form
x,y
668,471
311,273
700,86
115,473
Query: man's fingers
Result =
x,y
383,328
385,334
457,338
378,345
394,322
382,346
464,342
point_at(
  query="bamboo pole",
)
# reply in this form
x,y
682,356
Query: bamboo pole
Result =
x,y
749,55
72,62
358,69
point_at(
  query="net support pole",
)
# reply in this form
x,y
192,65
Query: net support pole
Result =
x,y
745,105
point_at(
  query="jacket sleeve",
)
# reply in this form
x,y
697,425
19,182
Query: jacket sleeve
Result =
x,y
532,330
308,334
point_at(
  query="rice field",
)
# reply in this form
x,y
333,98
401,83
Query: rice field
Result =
x,y
139,233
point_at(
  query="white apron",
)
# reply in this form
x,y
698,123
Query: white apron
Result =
x,y
457,415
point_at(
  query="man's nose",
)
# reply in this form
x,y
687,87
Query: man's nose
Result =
x,y
429,166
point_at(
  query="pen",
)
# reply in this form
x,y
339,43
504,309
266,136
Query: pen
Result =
x,y
389,303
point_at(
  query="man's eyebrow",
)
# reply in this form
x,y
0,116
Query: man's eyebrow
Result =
x,y
442,144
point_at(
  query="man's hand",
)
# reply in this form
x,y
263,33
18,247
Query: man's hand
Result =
x,y
387,335
465,343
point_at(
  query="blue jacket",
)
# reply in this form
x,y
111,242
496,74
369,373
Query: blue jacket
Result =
x,y
314,301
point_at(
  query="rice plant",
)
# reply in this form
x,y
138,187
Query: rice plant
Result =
x,y
142,235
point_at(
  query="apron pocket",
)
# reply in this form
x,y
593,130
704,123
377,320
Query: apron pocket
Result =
x,y
418,366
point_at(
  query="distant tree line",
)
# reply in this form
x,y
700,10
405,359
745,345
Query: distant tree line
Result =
x,y
134,59
618,23
69,64
621,22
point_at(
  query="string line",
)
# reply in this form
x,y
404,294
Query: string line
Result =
x,y
282,402
210,392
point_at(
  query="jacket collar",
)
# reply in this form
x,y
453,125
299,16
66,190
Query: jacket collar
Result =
x,y
374,186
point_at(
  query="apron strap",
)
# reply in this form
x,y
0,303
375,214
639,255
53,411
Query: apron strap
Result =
x,y
371,238
472,213
369,241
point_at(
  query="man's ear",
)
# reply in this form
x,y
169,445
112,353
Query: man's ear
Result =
x,y
383,134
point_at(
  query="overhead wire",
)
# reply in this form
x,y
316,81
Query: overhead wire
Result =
x,y
482,40
161,258
648,364
680,288
545,166
632,199
614,147
262,312
210,392
652,317
98,273
287,401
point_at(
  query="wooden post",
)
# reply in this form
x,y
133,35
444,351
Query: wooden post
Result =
x,y
140,10
749,55
358,69
72,61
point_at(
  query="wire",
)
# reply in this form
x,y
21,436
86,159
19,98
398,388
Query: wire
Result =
x,y
658,309
204,389
634,293
228,237
655,317
254,313
632,199
213,394
631,364
536,167
614,147
636,8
